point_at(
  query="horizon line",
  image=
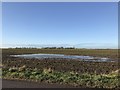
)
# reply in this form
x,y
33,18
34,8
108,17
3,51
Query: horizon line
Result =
x,y
81,45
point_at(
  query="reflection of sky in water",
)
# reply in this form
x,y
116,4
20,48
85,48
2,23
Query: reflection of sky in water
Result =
x,y
84,58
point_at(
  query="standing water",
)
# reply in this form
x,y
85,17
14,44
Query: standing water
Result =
x,y
62,56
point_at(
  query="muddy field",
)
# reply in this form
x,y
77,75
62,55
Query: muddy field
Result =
x,y
61,66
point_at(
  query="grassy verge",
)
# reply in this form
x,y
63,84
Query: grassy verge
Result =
x,y
73,78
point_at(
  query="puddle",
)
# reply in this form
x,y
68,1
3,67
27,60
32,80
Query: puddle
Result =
x,y
62,56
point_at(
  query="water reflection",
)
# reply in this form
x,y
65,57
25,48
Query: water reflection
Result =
x,y
85,58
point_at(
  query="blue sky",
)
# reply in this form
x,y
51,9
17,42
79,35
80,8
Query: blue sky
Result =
x,y
60,23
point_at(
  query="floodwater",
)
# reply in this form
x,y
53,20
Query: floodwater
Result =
x,y
62,56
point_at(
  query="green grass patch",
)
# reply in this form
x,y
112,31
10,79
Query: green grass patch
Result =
x,y
73,78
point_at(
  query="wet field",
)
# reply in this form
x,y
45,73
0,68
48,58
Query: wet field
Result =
x,y
62,62
86,59
62,56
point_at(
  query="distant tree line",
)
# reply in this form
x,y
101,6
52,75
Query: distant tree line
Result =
x,y
25,48
58,48
45,48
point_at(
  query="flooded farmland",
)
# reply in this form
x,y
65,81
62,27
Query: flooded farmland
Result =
x,y
62,56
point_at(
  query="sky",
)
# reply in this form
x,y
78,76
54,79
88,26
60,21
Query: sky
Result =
x,y
81,24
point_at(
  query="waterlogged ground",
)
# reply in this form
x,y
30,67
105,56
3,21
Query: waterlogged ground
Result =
x,y
107,53
62,56
77,73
